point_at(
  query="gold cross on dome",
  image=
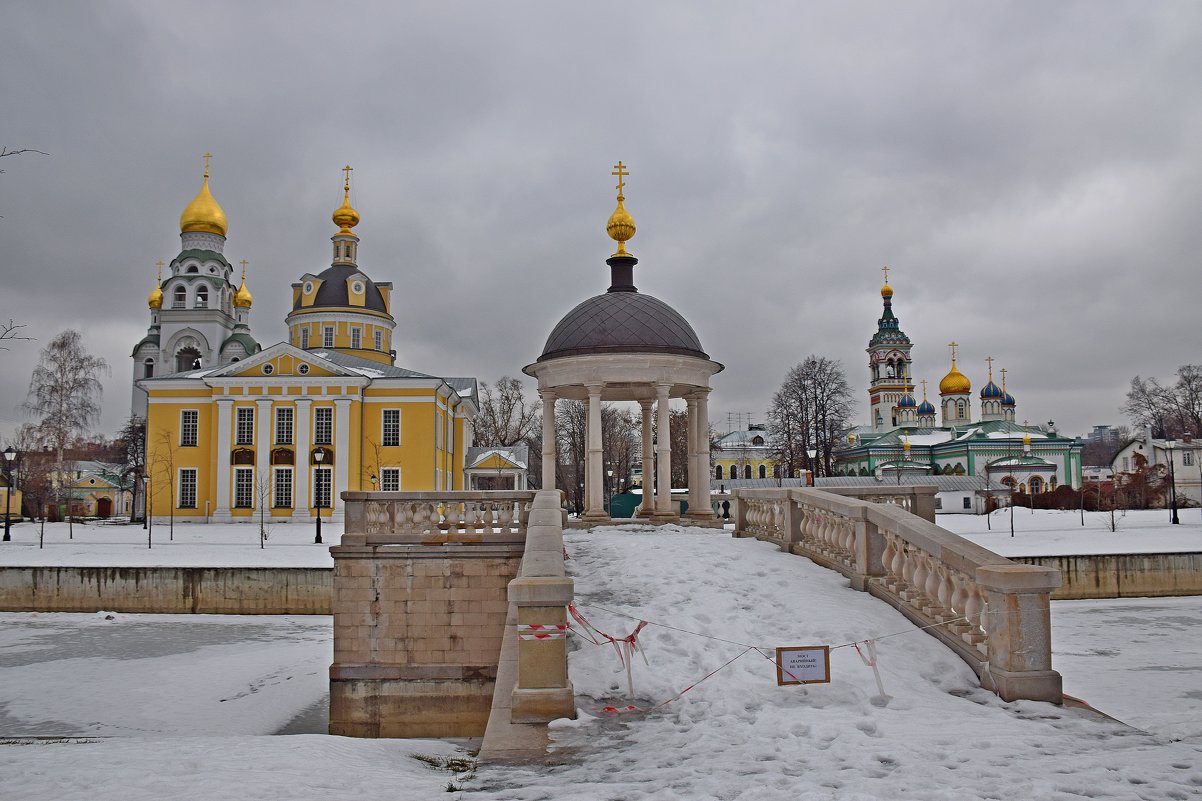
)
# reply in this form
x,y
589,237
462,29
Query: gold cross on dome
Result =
x,y
989,361
1003,378
953,346
347,170
621,172
885,269
207,157
159,264
924,388
243,263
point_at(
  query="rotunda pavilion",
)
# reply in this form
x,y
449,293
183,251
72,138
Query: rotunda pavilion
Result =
x,y
627,346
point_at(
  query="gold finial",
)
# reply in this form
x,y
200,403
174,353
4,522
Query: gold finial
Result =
x,y
885,270
906,444
886,290
242,298
953,346
1003,379
924,388
159,264
621,225
155,299
989,361
207,157
345,216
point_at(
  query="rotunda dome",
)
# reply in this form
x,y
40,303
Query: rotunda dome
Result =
x,y
622,322
335,292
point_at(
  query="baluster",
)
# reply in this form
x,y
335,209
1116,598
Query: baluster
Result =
x,y
887,558
931,589
897,569
506,516
918,579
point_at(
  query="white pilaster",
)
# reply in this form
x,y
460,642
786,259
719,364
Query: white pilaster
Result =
x,y
342,453
663,497
549,445
300,473
263,437
225,408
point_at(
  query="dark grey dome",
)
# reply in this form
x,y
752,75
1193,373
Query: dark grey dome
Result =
x,y
333,290
622,322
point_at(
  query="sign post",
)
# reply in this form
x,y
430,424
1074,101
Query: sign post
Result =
x,y
803,664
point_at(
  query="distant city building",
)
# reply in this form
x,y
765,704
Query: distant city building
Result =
x,y
744,454
1155,455
902,435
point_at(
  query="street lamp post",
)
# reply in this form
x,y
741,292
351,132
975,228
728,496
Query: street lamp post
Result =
x,y
609,480
1172,481
149,522
810,454
317,457
10,454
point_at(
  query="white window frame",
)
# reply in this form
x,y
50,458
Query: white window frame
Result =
x,y
328,472
327,336
285,426
390,479
379,339
186,486
247,475
304,337
185,428
279,488
385,440
357,338
246,425
318,424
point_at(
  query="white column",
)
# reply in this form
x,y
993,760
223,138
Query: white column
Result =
x,y
704,507
300,473
549,444
263,437
225,408
342,453
663,498
593,480
646,507
694,479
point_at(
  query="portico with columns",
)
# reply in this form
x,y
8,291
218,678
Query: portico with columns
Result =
x,y
627,346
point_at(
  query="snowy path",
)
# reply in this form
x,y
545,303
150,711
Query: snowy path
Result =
x,y
735,736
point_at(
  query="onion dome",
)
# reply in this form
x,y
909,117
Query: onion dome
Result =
x,y
242,298
203,214
907,401
955,382
990,391
620,226
155,300
1027,439
1007,398
926,407
345,216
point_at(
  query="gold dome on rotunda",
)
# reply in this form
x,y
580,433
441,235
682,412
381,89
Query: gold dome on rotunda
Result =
x,y
345,216
242,298
621,225
955,382
203,214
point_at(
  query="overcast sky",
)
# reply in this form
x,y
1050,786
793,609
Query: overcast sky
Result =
x,y
1031,173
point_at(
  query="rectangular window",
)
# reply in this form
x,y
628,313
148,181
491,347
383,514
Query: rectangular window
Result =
x,y
245,428
187,488
283,425
1187,458
379,335
323,426
1126,464
281,494
390,479
392,427
189,427
244,487
968,503
321,487
450,435
938,503
304,337
438,434
327,337
356,338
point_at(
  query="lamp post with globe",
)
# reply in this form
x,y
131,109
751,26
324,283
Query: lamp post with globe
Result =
x,y
10,455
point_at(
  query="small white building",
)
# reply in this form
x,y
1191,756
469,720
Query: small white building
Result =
x,y
1184,454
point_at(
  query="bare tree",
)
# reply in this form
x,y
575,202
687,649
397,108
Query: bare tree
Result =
x,y
132,441
263,493
65,390
810,410
571,418
163,465
505,417
12,332
1171,411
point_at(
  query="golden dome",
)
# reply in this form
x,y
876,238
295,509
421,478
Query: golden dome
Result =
x,y
955,382
243,298
345,216
203,214
886,291
1027,438
155,300
621,225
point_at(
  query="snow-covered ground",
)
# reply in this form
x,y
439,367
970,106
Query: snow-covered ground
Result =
x,y
113,544
1059,533
736,735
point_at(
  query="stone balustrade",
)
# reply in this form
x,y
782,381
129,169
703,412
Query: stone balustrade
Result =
x,y
918,499
992,612
396,518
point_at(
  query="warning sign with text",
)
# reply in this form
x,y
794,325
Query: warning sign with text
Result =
x,y
803,664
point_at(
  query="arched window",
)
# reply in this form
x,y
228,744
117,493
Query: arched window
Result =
x,y
718,472
757,440
191,269
746,471
763,471
1036,485
149,365
202,298
776,471
187,359
1008,482
734,472
960,411
180,299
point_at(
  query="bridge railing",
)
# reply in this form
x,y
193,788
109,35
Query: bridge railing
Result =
x,y
994,613
406,518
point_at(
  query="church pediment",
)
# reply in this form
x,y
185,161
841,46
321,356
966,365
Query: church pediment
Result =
x,y
283,361
495,461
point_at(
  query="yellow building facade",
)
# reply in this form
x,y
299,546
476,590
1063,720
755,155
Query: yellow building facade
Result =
x,y
284,430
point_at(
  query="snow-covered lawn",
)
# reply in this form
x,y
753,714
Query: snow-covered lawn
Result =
x,y
113,544
734,736
1059,533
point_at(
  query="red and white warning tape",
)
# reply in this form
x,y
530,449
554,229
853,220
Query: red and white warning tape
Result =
x,y
540,631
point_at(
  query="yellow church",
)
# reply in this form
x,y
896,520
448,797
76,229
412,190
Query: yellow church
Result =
x,y
232,427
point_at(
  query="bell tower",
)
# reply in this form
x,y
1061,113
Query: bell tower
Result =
x,y
889,378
